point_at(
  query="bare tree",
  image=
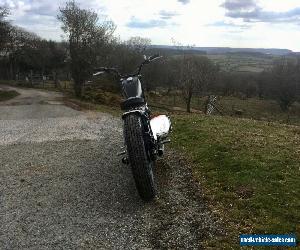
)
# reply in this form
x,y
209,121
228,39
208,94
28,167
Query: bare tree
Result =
x,y
196,73
4,28
284,86
87,39
138,44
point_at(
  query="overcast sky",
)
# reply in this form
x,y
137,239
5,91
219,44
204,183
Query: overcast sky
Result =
x,y
228,23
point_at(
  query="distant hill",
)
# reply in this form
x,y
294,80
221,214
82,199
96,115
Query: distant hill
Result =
x,y
221,50
173,51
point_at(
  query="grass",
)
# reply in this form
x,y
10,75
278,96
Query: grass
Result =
x,y
7,95
261,109
250,171
254,108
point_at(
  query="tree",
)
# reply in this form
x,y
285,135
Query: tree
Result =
x,y
22,48
298,80
285,81
4,28
261,84
138,44
87,39
196,73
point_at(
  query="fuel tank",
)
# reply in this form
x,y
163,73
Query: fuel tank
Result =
x,y
132,87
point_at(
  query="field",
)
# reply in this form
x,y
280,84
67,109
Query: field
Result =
x,y
238,62
249,171
253,108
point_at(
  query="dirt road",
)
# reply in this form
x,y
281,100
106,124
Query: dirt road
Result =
x,y
63,187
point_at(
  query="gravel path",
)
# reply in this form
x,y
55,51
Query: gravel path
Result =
x,y
62,186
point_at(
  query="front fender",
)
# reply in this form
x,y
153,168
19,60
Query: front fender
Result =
x,y
136,111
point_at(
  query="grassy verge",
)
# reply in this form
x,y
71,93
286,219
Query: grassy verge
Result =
x,y
7,94
250,171
253,108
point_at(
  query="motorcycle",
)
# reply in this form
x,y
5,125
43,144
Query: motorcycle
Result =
x,y
144,136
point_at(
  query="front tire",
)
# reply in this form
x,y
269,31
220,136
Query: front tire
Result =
x,y
140,164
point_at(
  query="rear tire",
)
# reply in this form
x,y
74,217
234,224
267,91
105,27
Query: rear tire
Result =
x,y
140,164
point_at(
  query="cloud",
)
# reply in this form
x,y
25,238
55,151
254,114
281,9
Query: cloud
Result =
x,y
250,11
259,15
238,5
167,14
43,9
41,16
139,24
46,7
184,1
228,25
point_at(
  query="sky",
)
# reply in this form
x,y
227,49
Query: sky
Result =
x,y
209,23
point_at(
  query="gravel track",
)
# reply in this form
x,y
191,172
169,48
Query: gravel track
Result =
x,y
62,186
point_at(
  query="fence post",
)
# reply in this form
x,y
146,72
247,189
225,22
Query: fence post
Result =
x,y
31,78
43,81
55,78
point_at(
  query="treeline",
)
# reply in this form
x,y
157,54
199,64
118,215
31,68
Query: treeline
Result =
x,y
22,51
91,42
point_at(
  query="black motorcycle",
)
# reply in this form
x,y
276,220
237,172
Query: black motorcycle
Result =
x,y
144,136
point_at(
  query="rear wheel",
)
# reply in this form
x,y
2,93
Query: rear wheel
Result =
x,y
140,164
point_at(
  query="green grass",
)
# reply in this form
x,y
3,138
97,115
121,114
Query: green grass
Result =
x,y
7,95
242,62
250,171
260,109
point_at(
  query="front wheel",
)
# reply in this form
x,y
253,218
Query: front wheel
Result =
x,y
140,164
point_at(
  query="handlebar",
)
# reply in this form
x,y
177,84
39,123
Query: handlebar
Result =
x,y
102,70
154,57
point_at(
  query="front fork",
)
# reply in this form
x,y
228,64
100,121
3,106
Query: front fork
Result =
x,y
154,147
158,152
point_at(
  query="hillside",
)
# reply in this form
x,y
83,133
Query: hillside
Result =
x,y
224,50
230,59
248,169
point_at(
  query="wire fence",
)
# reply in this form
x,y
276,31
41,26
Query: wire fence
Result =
x,y
31,79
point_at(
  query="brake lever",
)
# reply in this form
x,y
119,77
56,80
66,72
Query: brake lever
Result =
x,y
99,73
155,58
